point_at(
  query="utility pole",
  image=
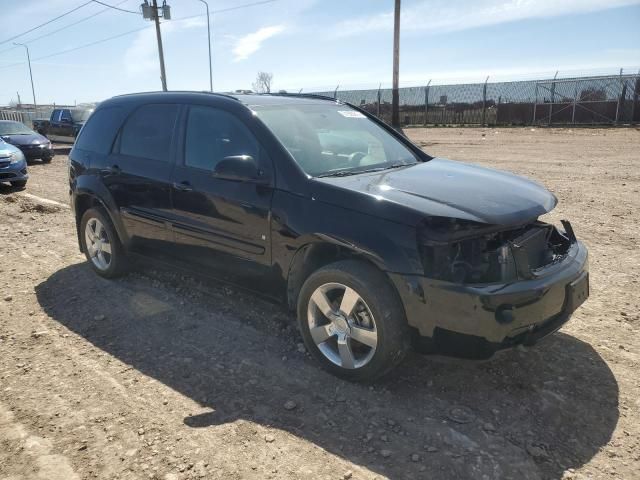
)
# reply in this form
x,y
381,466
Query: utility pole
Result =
x,y
33,90
152,12
395,96
163,75
209,44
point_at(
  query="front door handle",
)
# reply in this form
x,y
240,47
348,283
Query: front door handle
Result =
x,y
183,186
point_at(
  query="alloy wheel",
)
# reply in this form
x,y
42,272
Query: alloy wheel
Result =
x,y
342,325
98,244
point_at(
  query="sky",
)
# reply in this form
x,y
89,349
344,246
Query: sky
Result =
x,y
313,45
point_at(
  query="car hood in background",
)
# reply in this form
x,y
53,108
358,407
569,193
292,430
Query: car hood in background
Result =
x,y
31,139
445,188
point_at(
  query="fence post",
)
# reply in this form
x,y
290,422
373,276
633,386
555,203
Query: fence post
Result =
x,y
553,95
575,100
484,101
535,106
379,100
620,98
335,92
636,92
426,102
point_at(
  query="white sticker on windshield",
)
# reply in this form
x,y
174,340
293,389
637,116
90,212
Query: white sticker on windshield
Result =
x,y
351,114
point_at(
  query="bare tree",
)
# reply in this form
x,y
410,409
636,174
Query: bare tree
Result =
x,y
263,82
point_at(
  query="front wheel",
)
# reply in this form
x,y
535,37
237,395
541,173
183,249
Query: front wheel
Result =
x,y
19,184
352,321
101,245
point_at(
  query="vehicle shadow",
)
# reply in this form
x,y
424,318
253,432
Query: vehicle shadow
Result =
x,y
521,415
7,189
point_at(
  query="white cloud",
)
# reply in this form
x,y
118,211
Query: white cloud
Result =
x,y
252,42
438,16
142,54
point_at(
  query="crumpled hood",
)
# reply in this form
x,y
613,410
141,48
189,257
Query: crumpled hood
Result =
x,y
32,139
447,188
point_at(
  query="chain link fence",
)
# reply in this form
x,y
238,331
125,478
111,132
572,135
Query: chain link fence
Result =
x,y
598,100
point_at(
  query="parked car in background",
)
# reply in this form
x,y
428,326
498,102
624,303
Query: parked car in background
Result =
x,y
13,165
315,202
32,144
64,124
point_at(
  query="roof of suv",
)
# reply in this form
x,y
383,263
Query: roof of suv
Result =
x,y
247,99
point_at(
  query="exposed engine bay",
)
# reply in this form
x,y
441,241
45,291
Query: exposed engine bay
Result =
x,y
470,253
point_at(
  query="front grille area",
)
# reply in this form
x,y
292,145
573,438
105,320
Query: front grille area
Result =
x,y
4,163
4,176
504,256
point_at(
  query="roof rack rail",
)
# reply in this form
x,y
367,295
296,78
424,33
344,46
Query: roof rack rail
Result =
x,y
226,95
304,95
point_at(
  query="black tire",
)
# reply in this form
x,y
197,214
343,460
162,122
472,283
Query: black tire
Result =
x,y
375,289
47,159
19,184
118,260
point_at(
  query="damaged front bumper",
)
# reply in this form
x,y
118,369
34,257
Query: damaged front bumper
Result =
x,y
475,320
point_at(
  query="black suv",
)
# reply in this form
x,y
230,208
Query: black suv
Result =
x,y
376,244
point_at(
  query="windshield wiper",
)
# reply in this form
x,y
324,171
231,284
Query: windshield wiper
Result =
x,y
389,167
341,173
344,173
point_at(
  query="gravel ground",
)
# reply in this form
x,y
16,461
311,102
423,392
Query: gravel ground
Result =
x,y
163,375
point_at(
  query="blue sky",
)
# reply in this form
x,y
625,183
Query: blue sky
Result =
x,y
311,44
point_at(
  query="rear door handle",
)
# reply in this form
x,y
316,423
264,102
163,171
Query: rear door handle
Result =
x,y
183,186
112,170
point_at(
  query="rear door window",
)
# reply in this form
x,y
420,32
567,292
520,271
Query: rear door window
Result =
x,y
100,130
148,132
213,134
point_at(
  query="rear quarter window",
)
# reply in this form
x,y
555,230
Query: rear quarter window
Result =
x,y
148,132
99,132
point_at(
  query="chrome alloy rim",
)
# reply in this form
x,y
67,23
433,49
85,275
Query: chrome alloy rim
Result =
x,y
342,325
98,244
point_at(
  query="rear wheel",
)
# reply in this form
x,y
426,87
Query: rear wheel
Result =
x,y
47,159
352,321
101,245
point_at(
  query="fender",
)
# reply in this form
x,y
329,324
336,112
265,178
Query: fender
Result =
x,y
92,187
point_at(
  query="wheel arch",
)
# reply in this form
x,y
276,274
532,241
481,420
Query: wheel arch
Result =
x,y
86,197
316,254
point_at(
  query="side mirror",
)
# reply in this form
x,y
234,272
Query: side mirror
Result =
x,y
238,167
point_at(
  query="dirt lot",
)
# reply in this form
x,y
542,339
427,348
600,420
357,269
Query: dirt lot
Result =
x,y
163,375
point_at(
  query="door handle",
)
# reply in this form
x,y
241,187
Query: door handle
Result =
x,y
183,186
112,170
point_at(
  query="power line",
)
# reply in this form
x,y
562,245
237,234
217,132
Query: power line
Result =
x,y
46,23
92,43
222,10
134,31
84,19
115,8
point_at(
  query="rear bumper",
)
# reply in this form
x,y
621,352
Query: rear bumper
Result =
x,y
462,319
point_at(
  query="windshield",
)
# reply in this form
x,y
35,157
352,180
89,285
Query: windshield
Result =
x,y
14,128
331,139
